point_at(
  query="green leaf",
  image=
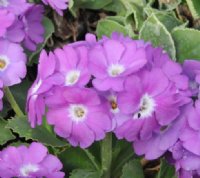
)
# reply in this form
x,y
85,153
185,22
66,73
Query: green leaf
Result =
x,y
168,19
132,169
187,43
20,93
84,173
91,4
49,30
166,170
194,7
40,133
6,133
169,5
153,30
77,158
106,27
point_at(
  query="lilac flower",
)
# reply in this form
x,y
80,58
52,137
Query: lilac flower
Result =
x,y
1,95
46,79
187,163
17,7
6,20
73,65
15,33
82,112
192,69
111,61
151,101
162,139
110,99
190,135
32,161
12,63
157,58
33,27
58,5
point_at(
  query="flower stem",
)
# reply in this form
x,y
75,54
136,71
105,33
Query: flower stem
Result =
x,y
106,155
12,102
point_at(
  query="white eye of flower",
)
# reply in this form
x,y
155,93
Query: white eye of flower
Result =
x,y
72,77
4,62
27,169
77,112
146,107
115,70
4,3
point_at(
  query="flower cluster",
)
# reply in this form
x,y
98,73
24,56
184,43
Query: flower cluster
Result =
x,y
20,27
32,161
126,86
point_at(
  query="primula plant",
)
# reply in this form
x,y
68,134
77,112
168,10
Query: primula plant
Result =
x,y
99,89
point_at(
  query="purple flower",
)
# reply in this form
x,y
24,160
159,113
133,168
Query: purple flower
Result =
x,y
110,99
12,63
158,58
187,163
6,20
15,33
82,112
73,65
58,5
17,7
192,69
162,139
112,61
46,79
34,30
1,95
151,101
190,135
32,161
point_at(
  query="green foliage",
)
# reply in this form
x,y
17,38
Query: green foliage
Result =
x,y
84,173
21,126
194,7
153,30
166,170
132,169
106,27
187,43
6,133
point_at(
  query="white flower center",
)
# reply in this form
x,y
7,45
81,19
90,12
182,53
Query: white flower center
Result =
x,y
113,102
4,62
115,70
72,77
27,169
77,112
146,107
4,3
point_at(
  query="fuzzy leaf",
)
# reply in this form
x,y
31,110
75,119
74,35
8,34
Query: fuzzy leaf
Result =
x,y
187,43
106,27
153,30
91,4
194,7
132,169
77,158
84,173
166,170
6,133
40,133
